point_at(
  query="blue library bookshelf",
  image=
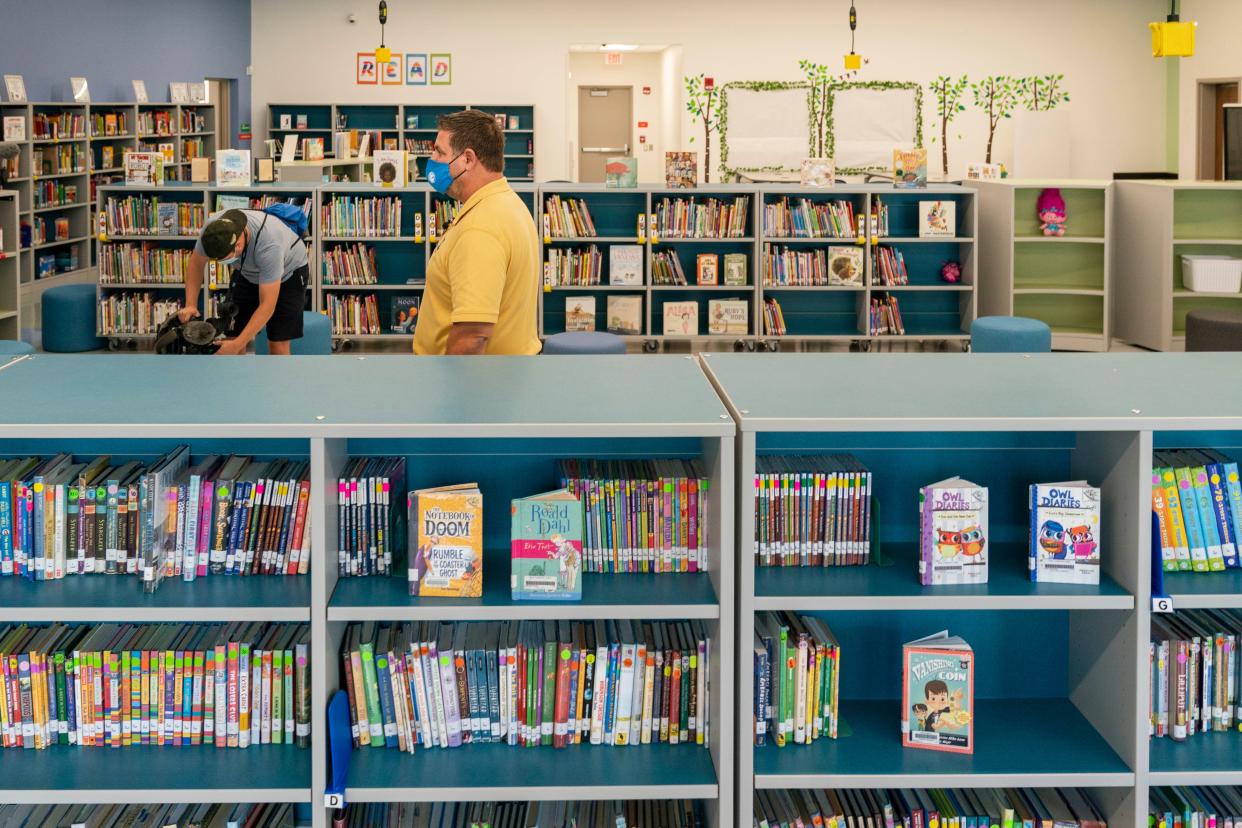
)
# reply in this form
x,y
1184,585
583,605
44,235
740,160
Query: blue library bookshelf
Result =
x,y
411,126
1062,676
332,410
141,247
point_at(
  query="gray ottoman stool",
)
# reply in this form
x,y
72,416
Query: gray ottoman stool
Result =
x,y
1214,329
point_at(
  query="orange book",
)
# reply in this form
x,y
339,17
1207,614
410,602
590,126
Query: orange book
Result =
x,y
938,694
446,542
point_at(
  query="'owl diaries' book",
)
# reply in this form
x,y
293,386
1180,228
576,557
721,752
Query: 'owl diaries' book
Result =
x,y
1065,533
938,694
446,542
953,532
546,546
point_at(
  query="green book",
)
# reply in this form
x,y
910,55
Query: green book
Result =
x,y
374,720
546,547
549,683
278,683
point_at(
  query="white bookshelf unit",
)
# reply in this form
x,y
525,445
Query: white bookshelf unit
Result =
x,y
10,278
1064,281
1156,224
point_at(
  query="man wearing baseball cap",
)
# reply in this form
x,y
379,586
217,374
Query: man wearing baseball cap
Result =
x,y
270,274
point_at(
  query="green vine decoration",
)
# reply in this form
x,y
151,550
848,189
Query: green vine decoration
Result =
x,y
916,88
820,78
1041,93
757,86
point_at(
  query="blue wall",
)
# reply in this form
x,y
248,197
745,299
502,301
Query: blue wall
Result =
x,y
111,42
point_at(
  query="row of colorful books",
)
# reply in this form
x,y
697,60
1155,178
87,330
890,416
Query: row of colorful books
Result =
x,y
193,148
888,267
1194,673
57,160
192,121
527,683
708,218
361,216
142,263
573,267
802,267
370,518
139,216
61,126
617,813
885,317
924,808
565,218
215,815
445,212
155,122
353,314
109,123
642,515
773,318
812,510
59,232
807,219
117,685
1182,807
53,194
797,670
666,268
139,314
352,264
1197,498
224,515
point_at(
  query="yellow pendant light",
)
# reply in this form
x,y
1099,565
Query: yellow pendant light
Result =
x,y
382,53
853,61
1173,37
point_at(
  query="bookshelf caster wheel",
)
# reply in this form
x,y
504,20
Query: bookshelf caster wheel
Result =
x,y
965,347
114,345
650,346
131,345
773,346
740,346
862,347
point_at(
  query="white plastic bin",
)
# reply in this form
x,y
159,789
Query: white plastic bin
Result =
x,y
1212,274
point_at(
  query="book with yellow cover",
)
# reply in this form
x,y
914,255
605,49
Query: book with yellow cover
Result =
x,y
446,542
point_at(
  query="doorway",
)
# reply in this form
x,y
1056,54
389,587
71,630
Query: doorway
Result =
x,y
604,116
1214,96
220,92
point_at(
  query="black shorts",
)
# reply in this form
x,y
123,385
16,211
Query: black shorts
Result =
x,y
286,321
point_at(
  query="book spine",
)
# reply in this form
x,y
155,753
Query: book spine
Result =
x,y
1217,490
302,694
448,696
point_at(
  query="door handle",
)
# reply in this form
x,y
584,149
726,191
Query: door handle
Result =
x,y
625,149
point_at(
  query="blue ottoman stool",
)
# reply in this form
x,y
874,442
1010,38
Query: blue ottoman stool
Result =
x,y
69,320
316,337
584,342
15,348
1009,335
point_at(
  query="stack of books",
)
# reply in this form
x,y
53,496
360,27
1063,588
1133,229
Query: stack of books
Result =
x,y
773,319
711,218
580,268
812,510
1194,673
262,815
168,685
1202,805
361,216
1197,499
912,808
527,683
143,263
567,218
350,265
639,813
370,521
354,314
808,219
139,314
641,515
797,667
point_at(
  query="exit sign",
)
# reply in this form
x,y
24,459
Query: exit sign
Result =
x,y
612,58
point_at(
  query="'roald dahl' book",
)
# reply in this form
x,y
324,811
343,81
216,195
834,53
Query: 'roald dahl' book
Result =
x,y
1065,533
446,542
546,547
938,694
953,533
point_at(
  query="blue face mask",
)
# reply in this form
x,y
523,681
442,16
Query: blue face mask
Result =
x,y
233,262
438,174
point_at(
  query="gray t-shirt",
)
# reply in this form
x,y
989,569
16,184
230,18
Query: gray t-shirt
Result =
x,y
272,255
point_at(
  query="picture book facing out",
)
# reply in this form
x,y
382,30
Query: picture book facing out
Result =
x,y
953,532
625,315
144,168
621,172
938,694
1065,533
546,547
579,313
625,264
446,542
681,169
910,168
937,218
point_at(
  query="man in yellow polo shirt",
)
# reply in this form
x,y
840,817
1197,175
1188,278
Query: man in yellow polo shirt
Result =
x,y
483,279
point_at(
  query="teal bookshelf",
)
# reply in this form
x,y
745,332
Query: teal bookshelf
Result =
x,y
407,124
1079,718
211,199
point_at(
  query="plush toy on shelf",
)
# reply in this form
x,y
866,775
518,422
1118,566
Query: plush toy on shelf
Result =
x,y
1051,210
951,272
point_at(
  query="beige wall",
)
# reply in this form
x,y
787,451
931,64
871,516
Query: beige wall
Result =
x,y
506,51
638,69
1218,56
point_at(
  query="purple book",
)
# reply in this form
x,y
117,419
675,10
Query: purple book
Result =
x,y
953,529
